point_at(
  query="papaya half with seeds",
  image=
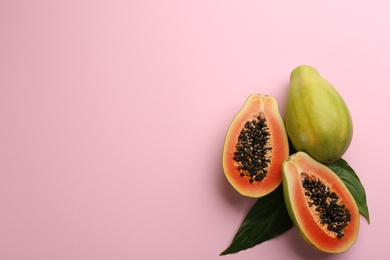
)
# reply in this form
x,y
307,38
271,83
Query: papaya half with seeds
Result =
x,y
319,204
255,147
318,121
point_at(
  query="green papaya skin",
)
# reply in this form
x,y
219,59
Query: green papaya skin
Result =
x,y
318,121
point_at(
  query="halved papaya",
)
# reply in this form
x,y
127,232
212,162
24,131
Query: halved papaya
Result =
x,y
319,204
255,147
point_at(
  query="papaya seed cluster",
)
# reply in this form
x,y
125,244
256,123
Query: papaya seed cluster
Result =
x,y
253,149
332,212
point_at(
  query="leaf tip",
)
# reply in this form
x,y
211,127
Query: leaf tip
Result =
x,y
225,252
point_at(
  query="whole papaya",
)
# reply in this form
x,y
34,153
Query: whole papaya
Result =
x,y
317,118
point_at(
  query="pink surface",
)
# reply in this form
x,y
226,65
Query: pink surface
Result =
x,y
113,116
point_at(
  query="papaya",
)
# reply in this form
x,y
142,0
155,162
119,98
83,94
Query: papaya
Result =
x,y
255,147
319,204
317,118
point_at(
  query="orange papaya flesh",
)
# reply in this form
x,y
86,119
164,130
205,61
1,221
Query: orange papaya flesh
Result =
x,y
320,205
255,147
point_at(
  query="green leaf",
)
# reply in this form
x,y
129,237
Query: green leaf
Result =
x,y
267,219
352,181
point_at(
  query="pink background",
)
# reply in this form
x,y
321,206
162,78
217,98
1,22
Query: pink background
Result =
x,y
113,117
